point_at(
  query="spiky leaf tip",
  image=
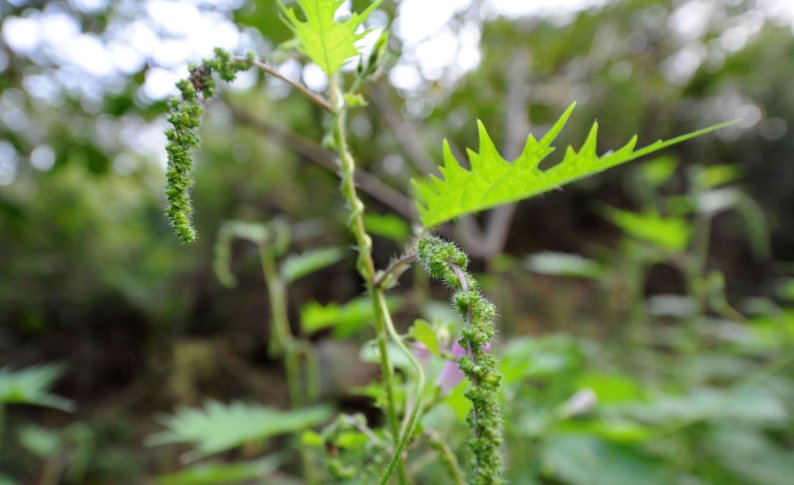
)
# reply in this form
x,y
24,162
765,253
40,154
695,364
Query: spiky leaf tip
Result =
x,y
494,181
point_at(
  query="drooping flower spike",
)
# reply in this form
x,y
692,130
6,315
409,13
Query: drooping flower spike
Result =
x,y
445,262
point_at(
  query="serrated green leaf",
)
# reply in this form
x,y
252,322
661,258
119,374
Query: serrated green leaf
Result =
x,y
297,266
494,181
327,42
31,385
219,427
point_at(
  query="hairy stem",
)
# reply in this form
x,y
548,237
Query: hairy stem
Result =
x,y
445,262
261,66
420,385
365,263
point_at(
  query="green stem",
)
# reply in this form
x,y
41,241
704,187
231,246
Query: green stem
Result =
x,y
420,386
695,272
312,372
283,340
365,264
281,337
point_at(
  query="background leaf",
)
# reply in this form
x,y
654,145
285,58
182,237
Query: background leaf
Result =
x,y
423,332
30,386
297,266
219,427
345,320
669,232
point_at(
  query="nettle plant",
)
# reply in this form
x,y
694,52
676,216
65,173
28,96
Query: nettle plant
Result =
x,y
490,181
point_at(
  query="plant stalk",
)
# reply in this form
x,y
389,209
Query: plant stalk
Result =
x,y
285,341
365,263
420,385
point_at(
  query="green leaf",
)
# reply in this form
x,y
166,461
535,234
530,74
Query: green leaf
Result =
x,y
30,386
355,100
581,459
40,441
611,388
750,456
387,225
659,170
297,266
222,473
494,181
669,232
312,439
370,353
219,427
717,175
346,320
423,332
327,42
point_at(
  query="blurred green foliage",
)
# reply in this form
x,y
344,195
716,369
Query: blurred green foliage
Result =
x,y
697,391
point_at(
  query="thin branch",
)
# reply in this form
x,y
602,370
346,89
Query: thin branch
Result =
x,y
313,152
395,268
314,97
405,133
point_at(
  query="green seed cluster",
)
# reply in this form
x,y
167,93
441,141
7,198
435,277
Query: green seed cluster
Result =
x,y
186,111
445,262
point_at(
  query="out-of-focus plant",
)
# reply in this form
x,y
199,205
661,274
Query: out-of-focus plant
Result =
x,y
490,181
31,386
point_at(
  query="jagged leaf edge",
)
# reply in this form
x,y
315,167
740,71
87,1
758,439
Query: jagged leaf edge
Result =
x,y
430,190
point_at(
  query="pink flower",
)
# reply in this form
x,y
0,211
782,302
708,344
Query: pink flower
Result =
x,y
451,375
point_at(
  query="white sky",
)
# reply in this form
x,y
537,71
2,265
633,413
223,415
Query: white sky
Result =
x,y
90,64
432,48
